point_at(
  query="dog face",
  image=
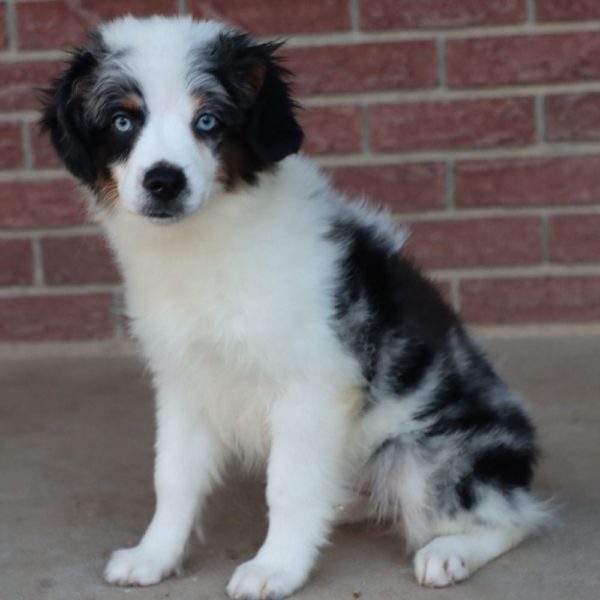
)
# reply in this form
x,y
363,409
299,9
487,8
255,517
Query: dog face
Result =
x,y
161,114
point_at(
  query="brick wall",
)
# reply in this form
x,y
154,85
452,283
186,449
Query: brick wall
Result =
x,y
476,121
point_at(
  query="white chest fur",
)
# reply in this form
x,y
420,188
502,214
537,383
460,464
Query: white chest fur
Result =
x,y
235,301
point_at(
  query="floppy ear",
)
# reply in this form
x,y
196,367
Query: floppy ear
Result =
x,y
63,116
256,80
273,130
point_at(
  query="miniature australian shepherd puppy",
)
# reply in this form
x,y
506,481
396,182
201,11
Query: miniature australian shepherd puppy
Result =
x,y
281,323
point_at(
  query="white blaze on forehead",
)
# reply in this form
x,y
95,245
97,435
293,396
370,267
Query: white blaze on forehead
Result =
x,y
158,51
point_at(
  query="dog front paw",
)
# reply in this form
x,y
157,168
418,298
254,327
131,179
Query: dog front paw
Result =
x,y
136,566
256,580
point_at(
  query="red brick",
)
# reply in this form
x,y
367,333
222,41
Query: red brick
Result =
x,y
16,262
78,260
567,10
452,124
402,187
42,153
528,182
45,318
21,81
573,117
401,14
276,16
531,300
60,23
527,59
39,203
460,243
11,145
330,129
362,67
575,238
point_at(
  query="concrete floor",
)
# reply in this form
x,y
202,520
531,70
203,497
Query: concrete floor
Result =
x,y
75,483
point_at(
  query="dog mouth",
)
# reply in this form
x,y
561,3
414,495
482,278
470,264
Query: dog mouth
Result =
x,y
164,217
164,214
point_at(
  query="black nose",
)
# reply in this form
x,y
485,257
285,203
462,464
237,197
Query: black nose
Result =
x,y
164,182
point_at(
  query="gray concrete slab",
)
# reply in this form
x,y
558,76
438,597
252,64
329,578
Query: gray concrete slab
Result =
x,y
75,483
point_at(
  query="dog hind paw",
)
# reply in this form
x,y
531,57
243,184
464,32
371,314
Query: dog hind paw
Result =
x,y
437,567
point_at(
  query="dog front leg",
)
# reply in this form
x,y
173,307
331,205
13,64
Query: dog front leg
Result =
x,y
187,464
304,483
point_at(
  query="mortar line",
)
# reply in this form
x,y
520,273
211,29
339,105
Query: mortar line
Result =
x,y
508,212
364,127
351,36
28,174
519,271
22,55
11,25
27,151
117,315
433,94
540,125
450,186
19,115
534,151
525,29
355,15
545,239
55,232
531,11
38,263
440,52
57,290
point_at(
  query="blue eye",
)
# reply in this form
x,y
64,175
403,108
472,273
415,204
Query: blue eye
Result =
x,y
206,122
122,123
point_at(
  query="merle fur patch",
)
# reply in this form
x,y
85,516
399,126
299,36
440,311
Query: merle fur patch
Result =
x,y
253,100
467,426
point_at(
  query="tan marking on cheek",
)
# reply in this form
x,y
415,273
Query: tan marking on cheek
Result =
x,y
231,165
203,148
108,192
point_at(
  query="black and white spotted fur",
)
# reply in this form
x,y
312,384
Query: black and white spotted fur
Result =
x,y
283,324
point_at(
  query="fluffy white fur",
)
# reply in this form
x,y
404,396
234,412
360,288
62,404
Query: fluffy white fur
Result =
x,y
244,363
242,356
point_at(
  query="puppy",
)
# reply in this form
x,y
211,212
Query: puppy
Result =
x,y
281,323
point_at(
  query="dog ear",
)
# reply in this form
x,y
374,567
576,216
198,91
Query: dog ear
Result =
x,y
273,130
254,77
63,115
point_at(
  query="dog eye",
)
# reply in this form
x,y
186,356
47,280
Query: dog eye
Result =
x,y
206,122
122,123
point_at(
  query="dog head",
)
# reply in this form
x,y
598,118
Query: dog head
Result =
x,y
162,114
